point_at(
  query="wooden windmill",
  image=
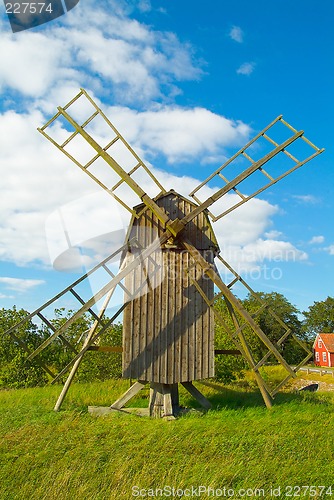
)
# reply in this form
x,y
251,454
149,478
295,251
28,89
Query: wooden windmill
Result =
x,y
168,273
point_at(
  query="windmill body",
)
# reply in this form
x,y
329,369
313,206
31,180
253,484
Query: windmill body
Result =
x,y
168,329
167,272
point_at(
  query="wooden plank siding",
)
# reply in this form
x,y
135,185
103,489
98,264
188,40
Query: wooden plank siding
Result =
x,y
168,328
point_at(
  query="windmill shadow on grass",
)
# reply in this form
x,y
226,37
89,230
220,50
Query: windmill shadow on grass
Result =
x,y
234,399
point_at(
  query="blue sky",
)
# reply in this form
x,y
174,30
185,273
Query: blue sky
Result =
x,y
187,83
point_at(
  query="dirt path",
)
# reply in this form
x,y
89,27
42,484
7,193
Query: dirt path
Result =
x,y
323,386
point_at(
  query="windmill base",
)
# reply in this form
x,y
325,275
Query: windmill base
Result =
x,y
163,403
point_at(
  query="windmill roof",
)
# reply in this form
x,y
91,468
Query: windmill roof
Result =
x,y
328,340
199,231
164,195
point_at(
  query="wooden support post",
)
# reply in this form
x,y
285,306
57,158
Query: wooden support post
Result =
x,y
164,401
175,397
129,394
156,400
197,395
168,405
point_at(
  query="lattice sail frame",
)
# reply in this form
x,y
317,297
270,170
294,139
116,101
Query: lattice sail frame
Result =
x,y
100,324
257,166
103,150
235,334
106,152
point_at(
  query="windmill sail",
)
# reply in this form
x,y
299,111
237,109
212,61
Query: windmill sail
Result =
x,y
279,152
242,321
67,129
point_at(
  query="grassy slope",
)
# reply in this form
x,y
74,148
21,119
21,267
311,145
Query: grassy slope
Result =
x,y
70,455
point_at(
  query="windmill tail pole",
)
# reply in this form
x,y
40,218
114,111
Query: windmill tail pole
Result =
x,y
76,365
248,355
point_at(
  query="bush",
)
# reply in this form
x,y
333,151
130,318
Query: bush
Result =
x,y
16,371
19,373
99,366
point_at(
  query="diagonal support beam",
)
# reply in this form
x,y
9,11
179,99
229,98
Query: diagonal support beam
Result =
x,y
248,355
77,363
129,394
210,271
104,290
239,340
197,395
53,329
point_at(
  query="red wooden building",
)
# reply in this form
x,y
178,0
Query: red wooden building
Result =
x,y
323,349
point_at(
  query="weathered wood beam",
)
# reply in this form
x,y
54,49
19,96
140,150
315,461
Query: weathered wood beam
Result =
x,y
105,348
197,395
234,352
129,394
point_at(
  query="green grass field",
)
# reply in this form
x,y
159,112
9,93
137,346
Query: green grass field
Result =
x,y
237,445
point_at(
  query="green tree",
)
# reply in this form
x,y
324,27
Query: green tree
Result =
x,y
320,317
15,370
95,365
58,354
228,366
292,352
103,365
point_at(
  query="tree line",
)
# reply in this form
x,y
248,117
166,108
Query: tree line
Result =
x,y
16,371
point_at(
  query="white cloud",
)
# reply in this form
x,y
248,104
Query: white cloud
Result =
x,y
246,259
135,63
30,62
308,199
52,181
236,34
35,185
3,296
317,239
34,181
28,200
330,249
274,250
246,68
144,5
180,134
132,66
273,234
38,179
19,284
